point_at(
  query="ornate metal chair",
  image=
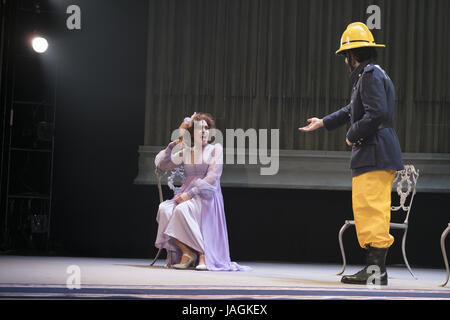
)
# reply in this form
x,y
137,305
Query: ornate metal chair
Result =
x,y
408,175
177,173
444,254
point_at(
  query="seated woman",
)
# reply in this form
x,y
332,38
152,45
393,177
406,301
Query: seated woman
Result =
x,y
193,222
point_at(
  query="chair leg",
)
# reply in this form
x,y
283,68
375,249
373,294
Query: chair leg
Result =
x,y
169,259
341,245
444,254
404,253
156,258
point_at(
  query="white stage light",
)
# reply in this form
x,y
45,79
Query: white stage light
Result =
x,y
39,44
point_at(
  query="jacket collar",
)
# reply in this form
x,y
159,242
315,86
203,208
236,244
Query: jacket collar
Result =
x,y
355,74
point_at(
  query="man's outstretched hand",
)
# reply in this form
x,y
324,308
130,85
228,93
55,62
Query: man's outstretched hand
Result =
x,y
314,123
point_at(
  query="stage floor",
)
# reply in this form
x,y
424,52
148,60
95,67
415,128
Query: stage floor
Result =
x,y
32,277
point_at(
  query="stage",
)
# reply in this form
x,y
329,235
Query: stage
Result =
x,y
33,277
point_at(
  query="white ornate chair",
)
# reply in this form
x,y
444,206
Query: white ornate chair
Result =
x,y
408,175
444,254
175,174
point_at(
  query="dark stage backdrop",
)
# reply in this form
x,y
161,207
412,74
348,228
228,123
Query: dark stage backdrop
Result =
x,y
256,82
271,64
98,211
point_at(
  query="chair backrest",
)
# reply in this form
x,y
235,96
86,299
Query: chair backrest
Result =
x,y
176,176
405,182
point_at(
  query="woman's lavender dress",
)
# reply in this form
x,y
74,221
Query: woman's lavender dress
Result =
x,y
199,222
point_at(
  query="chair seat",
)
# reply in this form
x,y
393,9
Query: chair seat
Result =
x,y
392,225
399,225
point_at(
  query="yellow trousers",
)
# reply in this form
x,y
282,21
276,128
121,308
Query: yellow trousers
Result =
x,y
371,200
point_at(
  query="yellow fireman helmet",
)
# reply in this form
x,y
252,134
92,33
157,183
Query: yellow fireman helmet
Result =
x,y
357,35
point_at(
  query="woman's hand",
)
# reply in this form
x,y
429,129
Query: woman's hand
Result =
x,y
184,125
182,197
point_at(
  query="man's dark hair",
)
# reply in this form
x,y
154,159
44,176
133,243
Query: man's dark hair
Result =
x,y
360,54
364,53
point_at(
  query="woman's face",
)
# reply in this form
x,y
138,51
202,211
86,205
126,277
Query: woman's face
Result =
x,y
201,132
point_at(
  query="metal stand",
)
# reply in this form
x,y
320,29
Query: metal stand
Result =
x,y
410,176
37,221
444,254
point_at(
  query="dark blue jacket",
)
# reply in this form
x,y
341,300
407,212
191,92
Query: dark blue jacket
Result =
x,y
370,112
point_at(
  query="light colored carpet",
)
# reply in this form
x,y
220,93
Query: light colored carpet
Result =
x,y
22,276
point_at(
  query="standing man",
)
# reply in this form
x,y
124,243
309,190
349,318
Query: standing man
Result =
x,y
376,153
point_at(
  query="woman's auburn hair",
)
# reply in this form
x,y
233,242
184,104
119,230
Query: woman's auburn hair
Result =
x,y
199,117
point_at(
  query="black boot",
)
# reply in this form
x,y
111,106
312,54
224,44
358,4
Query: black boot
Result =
x,y
374,257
